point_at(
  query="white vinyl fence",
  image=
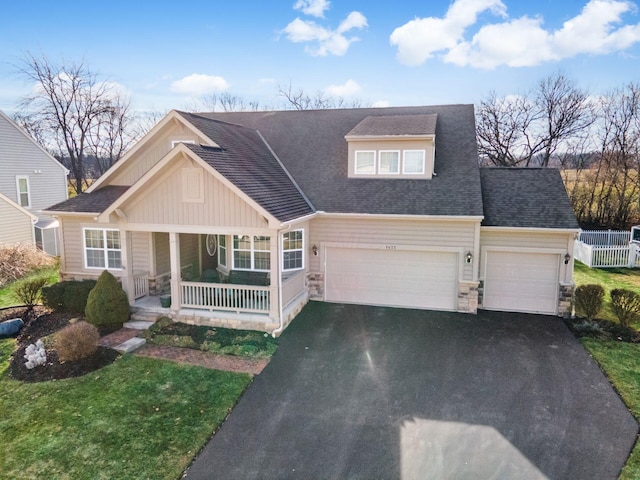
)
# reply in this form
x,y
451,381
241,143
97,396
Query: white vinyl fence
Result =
x,y
606,249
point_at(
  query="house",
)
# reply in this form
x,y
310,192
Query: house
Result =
x,y
242,217
30,180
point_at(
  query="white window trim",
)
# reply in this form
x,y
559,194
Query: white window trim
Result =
x,y
252,255
222,258
176,142
301,249
355,161
404,155
105,249
23,177
380,162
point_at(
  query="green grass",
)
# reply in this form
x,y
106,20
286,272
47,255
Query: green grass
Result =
x,y
244,343
620,362
7,297
137,418
609,278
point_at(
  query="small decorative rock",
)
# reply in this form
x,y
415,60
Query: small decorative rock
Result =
x,y
35,355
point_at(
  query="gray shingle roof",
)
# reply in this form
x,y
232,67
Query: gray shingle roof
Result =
x,y
396,125
312,147
525,197
94,202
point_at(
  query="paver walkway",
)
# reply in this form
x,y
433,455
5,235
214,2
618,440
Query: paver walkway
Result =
x,y
228,363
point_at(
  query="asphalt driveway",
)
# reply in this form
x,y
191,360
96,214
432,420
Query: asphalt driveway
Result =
x,y
365,392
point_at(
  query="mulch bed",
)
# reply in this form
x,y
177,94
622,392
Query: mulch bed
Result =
x,y
39,323
602,330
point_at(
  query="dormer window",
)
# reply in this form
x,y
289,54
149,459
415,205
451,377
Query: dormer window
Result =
x,y
389,162
366,162
413,162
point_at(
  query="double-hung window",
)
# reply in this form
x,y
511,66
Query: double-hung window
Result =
x,y
389,163
413,162
293,250
24,196
251,252
102,248
222,250
365,162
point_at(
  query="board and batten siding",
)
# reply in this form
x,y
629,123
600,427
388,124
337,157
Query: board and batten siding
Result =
x,y
140,251
161,202
530,241
418,233
21,156
152,152
16,226
162,254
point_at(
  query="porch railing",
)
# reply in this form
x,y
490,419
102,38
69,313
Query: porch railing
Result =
x,y
224,296
141,284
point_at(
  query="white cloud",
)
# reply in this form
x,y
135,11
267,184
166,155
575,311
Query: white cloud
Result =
x,y
515,42
315,8
329,42
198,84
348,89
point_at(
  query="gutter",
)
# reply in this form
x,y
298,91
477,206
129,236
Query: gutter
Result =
x,y
280,328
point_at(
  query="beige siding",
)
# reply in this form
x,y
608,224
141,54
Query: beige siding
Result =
x,y
419,233
396,145
15,225
189,254
21,156
161,202
151,153
530,241
140,251
161,244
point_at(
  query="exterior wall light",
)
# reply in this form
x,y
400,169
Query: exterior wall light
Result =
x,y
314,249
469,257
567,257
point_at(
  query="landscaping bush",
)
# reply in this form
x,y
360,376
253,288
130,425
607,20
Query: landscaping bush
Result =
x,y
626,305
107,304
70,296
16,261
76,341
588,300
28,291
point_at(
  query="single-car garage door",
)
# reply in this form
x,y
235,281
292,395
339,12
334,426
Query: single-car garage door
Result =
x,y
399,278
521,282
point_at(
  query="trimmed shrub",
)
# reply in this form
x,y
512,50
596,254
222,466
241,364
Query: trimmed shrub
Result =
x,y
107,304
69,296
588,300
626,305
76,341
28,291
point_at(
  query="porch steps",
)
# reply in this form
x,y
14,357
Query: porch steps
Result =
x,y
142,320
130,345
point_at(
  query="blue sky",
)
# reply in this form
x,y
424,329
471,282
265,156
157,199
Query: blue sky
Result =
x,y
166,55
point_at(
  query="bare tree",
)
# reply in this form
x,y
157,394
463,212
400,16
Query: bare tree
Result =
x,y
70,105
224,102
298,99
528,130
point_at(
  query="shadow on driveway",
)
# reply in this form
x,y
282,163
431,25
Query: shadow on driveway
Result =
x,y
367,392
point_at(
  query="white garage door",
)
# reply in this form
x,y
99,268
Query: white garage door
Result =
x,y
521,282
398,278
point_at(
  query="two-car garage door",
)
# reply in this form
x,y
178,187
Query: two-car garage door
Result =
x,y
400,278
521,281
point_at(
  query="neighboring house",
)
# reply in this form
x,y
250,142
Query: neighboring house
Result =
x,y
30,180
242,217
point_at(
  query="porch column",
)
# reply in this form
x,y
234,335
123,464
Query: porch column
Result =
x,y
127,264
274,304
174,256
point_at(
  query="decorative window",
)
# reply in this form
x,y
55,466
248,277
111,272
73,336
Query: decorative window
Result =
x,y
251,253
389,162
292,250
413,162
102,248
24,196
193,185
366,162
222,250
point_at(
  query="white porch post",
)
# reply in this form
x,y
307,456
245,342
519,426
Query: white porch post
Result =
x,y
127,264
274,304
174,254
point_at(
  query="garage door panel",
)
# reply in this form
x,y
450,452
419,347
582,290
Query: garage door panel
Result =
x,y
391,277
522,282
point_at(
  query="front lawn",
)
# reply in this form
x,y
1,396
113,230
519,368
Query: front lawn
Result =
x,y
609,278
619,361
244,343
136,418
7,296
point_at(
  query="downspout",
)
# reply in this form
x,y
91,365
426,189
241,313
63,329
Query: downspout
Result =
x,y
280,328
